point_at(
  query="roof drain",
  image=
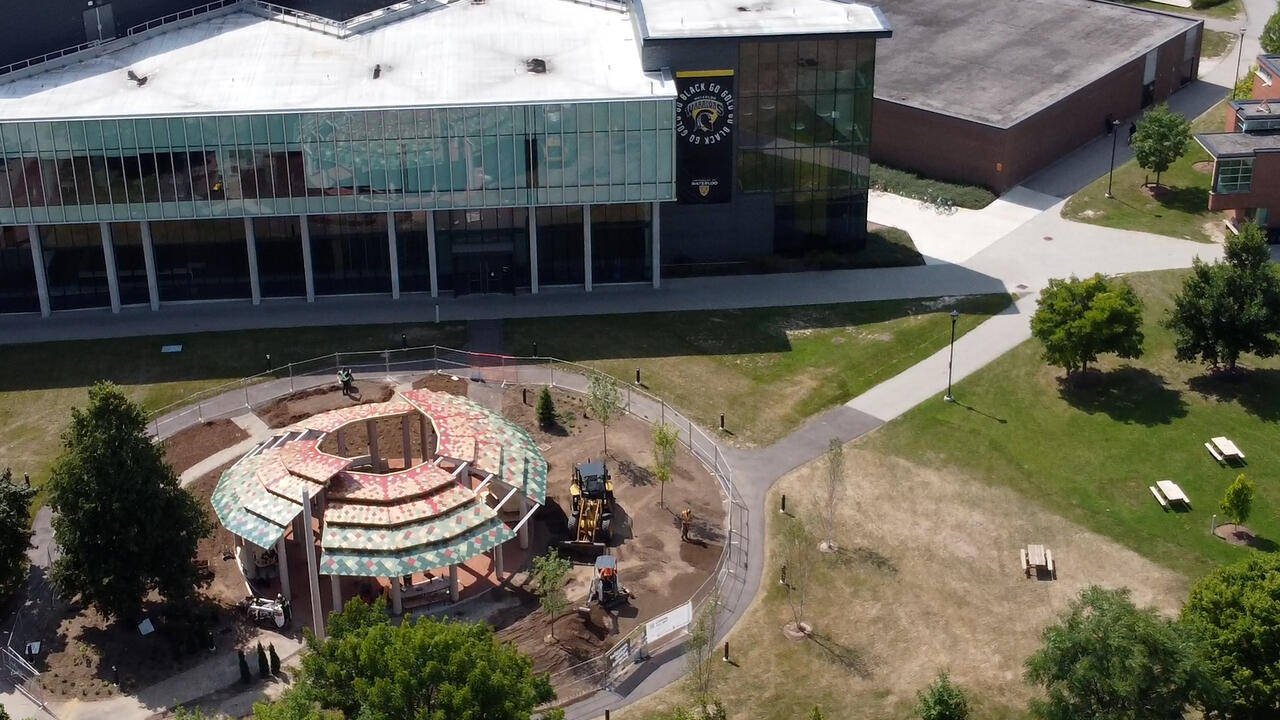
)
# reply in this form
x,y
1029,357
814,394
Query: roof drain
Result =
x,y
536,66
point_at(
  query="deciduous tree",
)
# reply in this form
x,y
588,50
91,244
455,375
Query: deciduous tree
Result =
x,y
942,700
1270,37
1162,138
15,533
422,668
1235,610
1230,307
112,481
700,650
549,573
665,441
797,555
1078,320
1105,658
828,494
604,402
1238,500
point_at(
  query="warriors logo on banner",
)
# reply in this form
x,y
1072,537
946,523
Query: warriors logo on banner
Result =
x,y
704,136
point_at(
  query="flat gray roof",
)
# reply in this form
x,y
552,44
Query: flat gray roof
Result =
x,y
997,62
1238,144
671,19
456,54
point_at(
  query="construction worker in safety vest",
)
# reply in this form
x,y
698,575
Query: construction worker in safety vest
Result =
x,y
686,521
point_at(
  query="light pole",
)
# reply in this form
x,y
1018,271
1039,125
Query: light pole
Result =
x,y
1239,55
1115,131
951,360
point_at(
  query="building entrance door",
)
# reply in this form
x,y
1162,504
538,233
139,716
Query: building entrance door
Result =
x,y
486,272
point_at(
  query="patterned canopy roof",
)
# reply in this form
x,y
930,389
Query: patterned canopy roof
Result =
x,y
385,524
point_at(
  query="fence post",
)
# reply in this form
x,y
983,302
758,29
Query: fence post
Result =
x,y
435,358
663,412
337,361
386,362
157,427
290,377
690,433
246,394
629,399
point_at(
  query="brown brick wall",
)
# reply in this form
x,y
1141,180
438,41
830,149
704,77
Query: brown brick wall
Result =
x,y
947,148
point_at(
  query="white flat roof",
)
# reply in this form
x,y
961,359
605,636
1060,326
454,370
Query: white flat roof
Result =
x,y
725,18
460,54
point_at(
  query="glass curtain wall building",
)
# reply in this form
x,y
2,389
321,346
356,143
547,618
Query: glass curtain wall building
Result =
x,y
151,175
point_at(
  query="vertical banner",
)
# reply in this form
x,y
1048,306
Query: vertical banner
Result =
x,y
705,108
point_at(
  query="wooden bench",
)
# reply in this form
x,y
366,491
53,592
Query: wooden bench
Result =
x,y
1214,452
434,590
1048,562
1164,504
1026,566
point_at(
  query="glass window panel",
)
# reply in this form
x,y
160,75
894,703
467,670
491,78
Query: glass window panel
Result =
x,y
278,242
349,253
201,259
17,268
75,267
131,268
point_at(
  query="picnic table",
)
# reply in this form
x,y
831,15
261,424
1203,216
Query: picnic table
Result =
x,y
1172,492
1036,557
1223,449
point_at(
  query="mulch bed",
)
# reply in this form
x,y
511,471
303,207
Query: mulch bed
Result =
x,y
190,446
1236,534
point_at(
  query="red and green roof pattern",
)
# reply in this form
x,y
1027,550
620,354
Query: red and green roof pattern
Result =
x,y
390,524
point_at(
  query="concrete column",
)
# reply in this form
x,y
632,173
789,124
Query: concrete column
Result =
x,y
251,248
37,261
523,535
371,429
453,583
313,576
335,585
406,439
342,441
431,252
586,246
533,251
307,275
282,563
109,256
397,603
149,259
497,563
393,253
655,227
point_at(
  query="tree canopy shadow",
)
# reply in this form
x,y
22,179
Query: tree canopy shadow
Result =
x,y
1190,200
843,655
1257,390
866,557
1127,394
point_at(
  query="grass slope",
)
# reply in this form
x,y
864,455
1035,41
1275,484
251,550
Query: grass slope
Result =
x,y
1089,452
767,369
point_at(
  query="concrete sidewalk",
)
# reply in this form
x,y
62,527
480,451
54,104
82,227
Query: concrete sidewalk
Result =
x,y
955,236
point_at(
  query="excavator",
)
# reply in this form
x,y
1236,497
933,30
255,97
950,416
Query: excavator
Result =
x,y
591,510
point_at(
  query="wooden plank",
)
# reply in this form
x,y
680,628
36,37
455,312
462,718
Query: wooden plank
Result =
x,y
1159,498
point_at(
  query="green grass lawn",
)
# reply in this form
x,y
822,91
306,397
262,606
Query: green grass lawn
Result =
x,y
1216,43
44,381
1089,452
766,369
1179,210
1228,9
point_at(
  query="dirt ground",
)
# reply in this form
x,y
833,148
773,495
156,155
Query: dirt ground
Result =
x,y
188,447
289,409
928,579
658,569
454,385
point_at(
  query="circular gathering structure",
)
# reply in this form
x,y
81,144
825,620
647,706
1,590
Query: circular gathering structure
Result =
x,y
392,519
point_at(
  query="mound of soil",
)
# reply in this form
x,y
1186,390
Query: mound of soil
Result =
x,y
301,405
442,383
190,446
1236,534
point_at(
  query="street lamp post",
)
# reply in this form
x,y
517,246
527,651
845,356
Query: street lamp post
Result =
x,y
1239,56
1115,131
951,360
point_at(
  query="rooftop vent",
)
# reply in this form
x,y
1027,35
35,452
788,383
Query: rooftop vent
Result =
x,y
377,71
478,2
139,81
537,66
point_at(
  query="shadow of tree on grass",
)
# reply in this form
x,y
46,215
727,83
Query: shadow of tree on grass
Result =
x,y
1255,390
843,655
1127,394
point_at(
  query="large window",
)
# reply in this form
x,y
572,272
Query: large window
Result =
x,y
1235,175
17,270
804,135
560,246
412,251
621,243
74,266
131,264
279,243
201,259
349,253
483,251
335,162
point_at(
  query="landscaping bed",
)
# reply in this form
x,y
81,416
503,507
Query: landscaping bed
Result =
x,y
301,405
187,447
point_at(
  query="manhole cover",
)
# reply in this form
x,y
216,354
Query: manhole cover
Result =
x,y
1021,286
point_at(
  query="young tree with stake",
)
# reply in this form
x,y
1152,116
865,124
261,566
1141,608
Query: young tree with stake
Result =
x,y
1238,500
604,402
665,440
797,555
829,494
549,573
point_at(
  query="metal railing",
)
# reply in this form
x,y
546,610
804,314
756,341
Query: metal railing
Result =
x,y
626,656
180,15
